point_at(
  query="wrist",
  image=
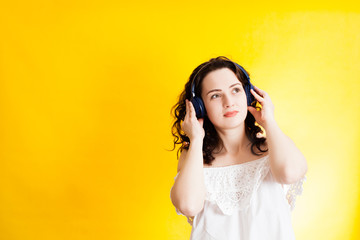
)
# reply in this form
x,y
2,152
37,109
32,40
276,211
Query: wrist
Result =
x,y
196,140
270,125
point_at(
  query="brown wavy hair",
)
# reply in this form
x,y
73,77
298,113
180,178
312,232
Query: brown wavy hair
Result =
x,y
211,139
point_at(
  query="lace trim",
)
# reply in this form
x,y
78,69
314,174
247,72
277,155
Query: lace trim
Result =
x,y
232,188
293,191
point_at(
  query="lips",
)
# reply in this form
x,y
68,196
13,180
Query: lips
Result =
x,y
230,114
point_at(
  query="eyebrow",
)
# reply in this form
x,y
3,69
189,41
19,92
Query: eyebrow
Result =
x,y
218,90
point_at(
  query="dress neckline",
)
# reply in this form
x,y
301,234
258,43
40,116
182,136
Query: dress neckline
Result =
x,y
236,165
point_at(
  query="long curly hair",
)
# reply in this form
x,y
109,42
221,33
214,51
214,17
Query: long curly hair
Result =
x,y
211,140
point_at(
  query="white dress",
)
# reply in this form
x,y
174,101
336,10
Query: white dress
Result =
x,y
244,202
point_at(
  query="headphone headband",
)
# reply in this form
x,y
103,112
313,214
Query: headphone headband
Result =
x,y
194,79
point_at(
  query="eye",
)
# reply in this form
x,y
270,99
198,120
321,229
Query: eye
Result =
x,y
214,96
236,90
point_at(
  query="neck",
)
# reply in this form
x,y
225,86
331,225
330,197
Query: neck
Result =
x,y
234,140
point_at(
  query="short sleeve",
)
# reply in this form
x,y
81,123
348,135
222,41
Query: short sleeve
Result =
x,y
291,191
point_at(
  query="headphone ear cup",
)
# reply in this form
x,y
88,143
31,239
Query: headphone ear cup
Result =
x,y
199,107
250,98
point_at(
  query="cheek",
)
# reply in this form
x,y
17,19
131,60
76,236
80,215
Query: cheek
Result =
x,y
212,109
212,116
243,101
244,106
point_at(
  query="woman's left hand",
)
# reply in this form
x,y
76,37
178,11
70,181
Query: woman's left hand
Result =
x,y
266,114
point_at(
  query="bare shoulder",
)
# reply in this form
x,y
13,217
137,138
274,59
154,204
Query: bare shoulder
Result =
x,y
181,159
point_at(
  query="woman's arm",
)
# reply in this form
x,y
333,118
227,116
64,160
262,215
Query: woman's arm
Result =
x,y
287,163
188,191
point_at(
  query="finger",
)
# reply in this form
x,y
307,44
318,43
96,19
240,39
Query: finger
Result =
x,y
186,109
257,96
201,121
192,110
253,112
258,90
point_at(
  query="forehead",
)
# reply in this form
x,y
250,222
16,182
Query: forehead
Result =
x,y
220,78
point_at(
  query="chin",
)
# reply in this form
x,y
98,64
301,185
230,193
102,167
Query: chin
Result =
x,y
228,127
235,123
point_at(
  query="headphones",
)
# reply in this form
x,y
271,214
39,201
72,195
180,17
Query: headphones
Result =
x,y
199,104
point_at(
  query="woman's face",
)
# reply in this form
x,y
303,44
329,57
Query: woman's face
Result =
x,y
224,98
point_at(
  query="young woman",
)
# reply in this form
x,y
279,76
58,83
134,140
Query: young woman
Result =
x,y
234,180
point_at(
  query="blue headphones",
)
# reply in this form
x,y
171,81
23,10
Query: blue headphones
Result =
x,y
199,104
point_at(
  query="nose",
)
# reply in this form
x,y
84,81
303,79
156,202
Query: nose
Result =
x,y
227,101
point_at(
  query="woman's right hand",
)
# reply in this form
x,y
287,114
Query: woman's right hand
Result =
x,y
192,127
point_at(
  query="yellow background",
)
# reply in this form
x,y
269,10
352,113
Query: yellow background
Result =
x,y
85,95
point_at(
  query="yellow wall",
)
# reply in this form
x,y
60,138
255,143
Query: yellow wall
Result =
x,y
86,90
